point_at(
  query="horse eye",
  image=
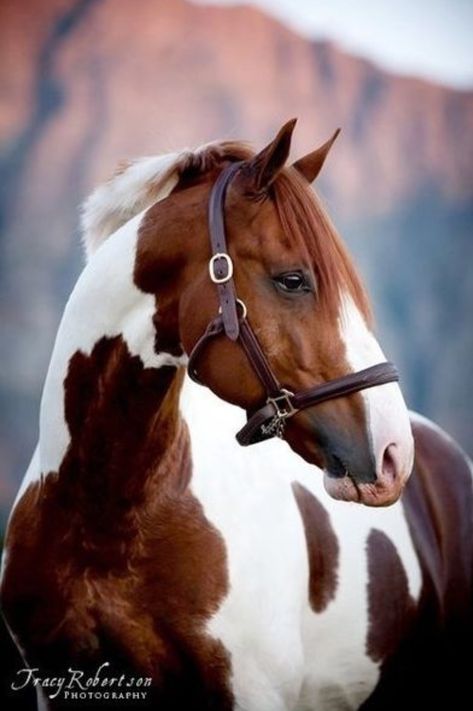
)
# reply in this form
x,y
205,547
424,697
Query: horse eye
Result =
x,y
292,282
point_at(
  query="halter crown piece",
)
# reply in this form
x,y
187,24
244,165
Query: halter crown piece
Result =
x,y
232,321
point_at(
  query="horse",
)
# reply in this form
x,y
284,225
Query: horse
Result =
x,y
326,566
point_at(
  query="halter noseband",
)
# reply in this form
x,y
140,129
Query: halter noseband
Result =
x,y
270,419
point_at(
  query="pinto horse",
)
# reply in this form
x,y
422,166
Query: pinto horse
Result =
x,y
144,536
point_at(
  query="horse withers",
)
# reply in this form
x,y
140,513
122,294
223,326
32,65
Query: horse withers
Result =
x,y
145,538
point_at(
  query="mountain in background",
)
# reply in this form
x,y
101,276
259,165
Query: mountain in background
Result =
x,y
86,83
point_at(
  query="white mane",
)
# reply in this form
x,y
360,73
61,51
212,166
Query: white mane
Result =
x,y
139,184
134,187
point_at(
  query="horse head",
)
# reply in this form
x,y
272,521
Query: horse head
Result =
x,y
302,296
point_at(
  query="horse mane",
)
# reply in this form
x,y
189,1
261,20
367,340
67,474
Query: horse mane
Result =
x,y
305,221
139,184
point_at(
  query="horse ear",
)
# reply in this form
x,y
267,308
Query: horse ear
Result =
x,y
265,166
310,165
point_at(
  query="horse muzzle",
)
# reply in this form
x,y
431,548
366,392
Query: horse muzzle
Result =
x,y
379,482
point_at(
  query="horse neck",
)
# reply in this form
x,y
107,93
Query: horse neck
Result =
x,y
109,418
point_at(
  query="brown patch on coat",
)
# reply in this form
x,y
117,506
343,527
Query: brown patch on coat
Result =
x,y
430,666
112,558
322,548
390,606
439,509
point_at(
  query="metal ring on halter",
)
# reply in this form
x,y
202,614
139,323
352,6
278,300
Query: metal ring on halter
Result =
x,y
242,305
216,279
288,409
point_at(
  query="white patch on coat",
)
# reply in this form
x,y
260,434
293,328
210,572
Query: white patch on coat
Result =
x,y
284,656
3,562
33,474
386,411
248,497
105,300
104,303
337,637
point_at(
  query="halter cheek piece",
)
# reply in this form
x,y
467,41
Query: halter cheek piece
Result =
x,y
281,404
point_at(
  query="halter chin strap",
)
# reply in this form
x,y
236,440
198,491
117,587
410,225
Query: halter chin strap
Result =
x,y
281,404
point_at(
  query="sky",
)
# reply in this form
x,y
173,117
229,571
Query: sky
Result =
x,y
428,38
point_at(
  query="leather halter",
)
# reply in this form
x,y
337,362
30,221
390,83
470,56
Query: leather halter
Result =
x,y
281,404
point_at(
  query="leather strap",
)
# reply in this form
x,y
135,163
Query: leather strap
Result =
x,y
221,265
251,347
368,378
215,328
256,429
257,359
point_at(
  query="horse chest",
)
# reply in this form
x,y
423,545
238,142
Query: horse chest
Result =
x,y
296,619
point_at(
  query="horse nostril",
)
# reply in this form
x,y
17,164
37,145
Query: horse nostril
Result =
x,y
337,468
389,466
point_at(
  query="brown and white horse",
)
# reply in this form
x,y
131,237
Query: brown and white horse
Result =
x,y
144,536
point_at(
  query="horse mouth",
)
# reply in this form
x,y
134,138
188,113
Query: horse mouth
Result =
x,y
335,467
341,485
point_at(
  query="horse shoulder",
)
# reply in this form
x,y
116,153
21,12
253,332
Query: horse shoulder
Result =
x,y
428,667
439,507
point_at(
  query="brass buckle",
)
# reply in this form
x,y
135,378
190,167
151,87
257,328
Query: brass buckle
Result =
x,y
216,279
282,404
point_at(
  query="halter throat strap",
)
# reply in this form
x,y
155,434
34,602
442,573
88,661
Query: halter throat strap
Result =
x,y
269,420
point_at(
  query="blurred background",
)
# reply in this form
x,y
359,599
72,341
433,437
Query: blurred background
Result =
x,y
86,83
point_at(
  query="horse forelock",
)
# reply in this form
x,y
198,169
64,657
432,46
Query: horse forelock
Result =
x,y
305,222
